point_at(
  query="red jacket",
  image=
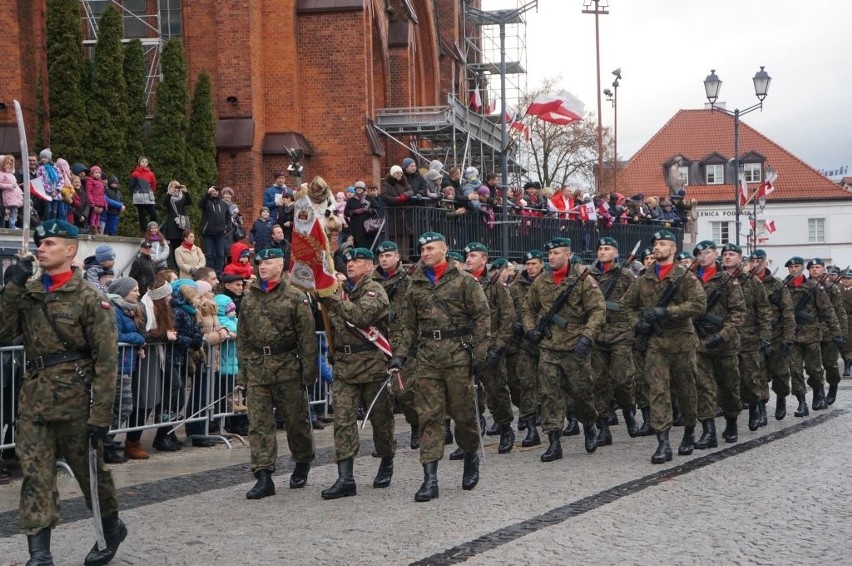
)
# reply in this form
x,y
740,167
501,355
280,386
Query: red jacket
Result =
x,y
235,267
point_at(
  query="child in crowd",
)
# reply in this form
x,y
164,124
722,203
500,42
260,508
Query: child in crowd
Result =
x,y
228,368
13,196
115,206
260,234
96,193
95,265
240,254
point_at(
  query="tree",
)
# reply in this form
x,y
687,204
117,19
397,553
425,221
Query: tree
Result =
x,y
69,125
134,79
108,104
200,140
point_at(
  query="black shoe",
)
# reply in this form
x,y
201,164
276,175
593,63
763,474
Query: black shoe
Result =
x,y
114,533
802,411
664,449
385,473
687,445
554,450
832,395
573,428
415,438
470,476
173,437
630,421
604,434
590,432
299,477
730,432
532,438
819,399
708,435
203,442
429,490
345,484
494,430
507,439
165,444
645,429
457,454
448,433
522,425
39,547
264,486
113,456
780,408
753,416
761,405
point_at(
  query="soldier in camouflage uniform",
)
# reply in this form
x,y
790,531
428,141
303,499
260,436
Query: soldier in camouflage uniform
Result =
x,y
522,357
564,369
360,368
782,334
755,335
831,344
446,313
394,279
811,307
66,400
846,293
640,378
277,351
670,356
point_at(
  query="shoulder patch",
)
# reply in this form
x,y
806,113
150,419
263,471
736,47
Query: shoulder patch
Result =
x,y
371,293
106,305
305,301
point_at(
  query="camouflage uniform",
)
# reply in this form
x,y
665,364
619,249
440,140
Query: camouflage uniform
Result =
x,y
522,357
54,401
756,328
562,373
783,330
277,336
809,313
444,383
359,369
828,348
846,294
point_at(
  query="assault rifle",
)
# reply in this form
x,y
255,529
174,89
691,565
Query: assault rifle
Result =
x,y
610,305
714,297
806,318
641,342
550,316
392,290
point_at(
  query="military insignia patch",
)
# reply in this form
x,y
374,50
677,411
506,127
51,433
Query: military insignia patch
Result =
x,y
105,305
371,293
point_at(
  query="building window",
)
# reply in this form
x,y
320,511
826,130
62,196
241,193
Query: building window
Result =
x,y
816,230
715,174
135,22
684,173
752,172
720,232
171,22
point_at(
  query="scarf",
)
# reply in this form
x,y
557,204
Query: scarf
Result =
x,y
798,281
663,271
187,245
705,273
434,274
53,282
120,302
560,274
268,286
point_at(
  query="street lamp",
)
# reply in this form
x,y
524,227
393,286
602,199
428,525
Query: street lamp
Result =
x,y
712,86
598,8
612,96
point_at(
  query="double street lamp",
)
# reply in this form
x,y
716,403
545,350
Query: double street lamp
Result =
x,y
612,96
712,86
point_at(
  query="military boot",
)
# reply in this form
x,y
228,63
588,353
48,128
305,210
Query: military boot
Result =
x,y
299,477
802,411
114,533
819,399
522,424
429,490
761,405
264,486
385,473
753,416
780,408
604,434
415,438
573,427
507,439
832,395
677,414
39,547
345,484
630,421
554,450
612,417
470,476
730,432
847,367
448,433
457,454
532,438
664,449
708,436
687,445
645,429
590,432
494,430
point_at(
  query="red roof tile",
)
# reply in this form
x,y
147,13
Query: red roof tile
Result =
x,y
695,134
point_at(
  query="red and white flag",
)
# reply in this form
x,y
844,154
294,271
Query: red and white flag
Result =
x,y
561,108
492,103
37,189
476,99
588,212
312,265
769,226
762,239
767,187
743,192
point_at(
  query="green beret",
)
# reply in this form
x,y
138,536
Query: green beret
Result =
x,y
833,269
795,260
456,256
703,245
608,241
387,246
429,237
55,229
758,254
815,261
846,274
357,253
558,243
268,253
499,263
731,247
645,253
534,254
663,235
682,255
475,247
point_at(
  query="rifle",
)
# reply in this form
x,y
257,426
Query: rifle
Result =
x,y
550,316
712,299
392,290
667,297
611,283
803,317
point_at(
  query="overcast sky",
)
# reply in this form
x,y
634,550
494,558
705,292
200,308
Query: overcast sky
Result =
x,y
666,48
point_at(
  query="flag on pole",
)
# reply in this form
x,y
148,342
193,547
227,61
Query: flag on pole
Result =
x,y
561,108
769,226
743,192
767,187
312,265
492,104
476,99
37,189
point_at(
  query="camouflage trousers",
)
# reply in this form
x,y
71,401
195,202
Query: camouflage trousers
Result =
x,y
753,384
522,376
564,375
347,398
830,353
38,446
805,357
778,370
640,380
718,385
290,400
613,370
666,371
497,393
448,392
405,398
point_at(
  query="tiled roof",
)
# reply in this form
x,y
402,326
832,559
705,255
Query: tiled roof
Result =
x,y
695,134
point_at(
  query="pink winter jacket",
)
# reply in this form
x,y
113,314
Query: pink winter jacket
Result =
x,y
12,193
96,191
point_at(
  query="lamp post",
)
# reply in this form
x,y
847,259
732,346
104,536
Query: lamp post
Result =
x,y
600,7
712,86
612,96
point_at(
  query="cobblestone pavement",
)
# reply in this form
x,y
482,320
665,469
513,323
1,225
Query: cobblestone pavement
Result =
x,y
779,496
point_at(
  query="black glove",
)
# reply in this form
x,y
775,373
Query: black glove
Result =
x,y
839,341
518,330
534,336
396,362
644,328
19,273
766,346
96,433
583,346
715,341
492,358
653,314
785,348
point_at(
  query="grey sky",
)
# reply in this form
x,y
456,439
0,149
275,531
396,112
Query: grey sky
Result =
x,y
667,47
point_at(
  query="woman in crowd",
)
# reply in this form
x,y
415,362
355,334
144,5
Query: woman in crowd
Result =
x,y
358,210
188,256
177,219
143,186
159,245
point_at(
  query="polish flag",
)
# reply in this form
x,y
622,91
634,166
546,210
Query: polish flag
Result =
x,y
476,99
769,226
743,192
767,187
561,108
37,189
492,104
762,240
588,212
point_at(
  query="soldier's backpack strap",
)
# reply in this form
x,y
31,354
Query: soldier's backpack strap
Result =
x,y
445,308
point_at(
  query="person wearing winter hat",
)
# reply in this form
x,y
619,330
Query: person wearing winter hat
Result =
x,y
159,245
143,185
95,265
115,206
52,181
13,196
470,187
416,182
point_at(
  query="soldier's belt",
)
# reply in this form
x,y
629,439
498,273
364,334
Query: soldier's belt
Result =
x,y
48,360
444,334
353,348
276,350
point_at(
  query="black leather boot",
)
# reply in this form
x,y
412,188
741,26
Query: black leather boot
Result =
x,y
554,450
415,438
573,427
429,490
494,430
522,424
753,416
780,408
507,439
448,433
604,434
832,395
264,486
630,421
708,436
645,429
345,484
114,533
612,417
532,438
457,454
39,546
730,432
385,473
299,477
819,399
802,411
590,432
470,476
664,449
687,445
761,406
